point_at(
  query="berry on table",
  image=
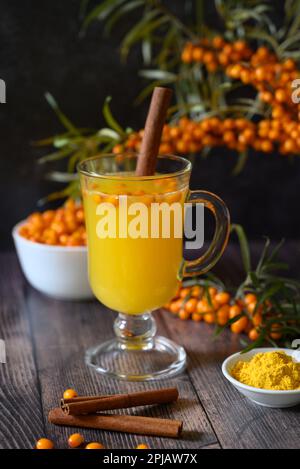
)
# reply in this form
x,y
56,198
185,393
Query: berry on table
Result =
x,y
69,394
94,445
44,443
75,440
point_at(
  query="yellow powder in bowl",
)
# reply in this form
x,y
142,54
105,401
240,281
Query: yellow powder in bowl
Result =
x,y
270,370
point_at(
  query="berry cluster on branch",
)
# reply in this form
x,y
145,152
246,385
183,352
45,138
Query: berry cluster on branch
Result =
x,y
261,69
215,306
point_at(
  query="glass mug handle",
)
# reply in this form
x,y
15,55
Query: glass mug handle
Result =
x,y
220,238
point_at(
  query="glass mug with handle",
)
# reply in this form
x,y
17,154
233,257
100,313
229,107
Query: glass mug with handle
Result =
x,y
133,271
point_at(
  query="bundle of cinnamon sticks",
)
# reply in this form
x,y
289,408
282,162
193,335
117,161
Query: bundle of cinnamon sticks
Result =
x,y
86,412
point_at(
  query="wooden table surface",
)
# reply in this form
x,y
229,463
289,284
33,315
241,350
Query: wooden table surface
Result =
x,y
45,344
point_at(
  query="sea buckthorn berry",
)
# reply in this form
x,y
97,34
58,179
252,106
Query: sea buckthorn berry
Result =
x,y
253,334
187,56
142,446
63,239
112,199
197,317
234,311
48,216
36,219
175,306
250,298
210,318
183,314
69,394
75,440
222,298
70,204
203,307
97,198
218,42
184,292
197,54
212,291
94,445
252,308
80,215
190,305
118,149
223,315
257,319
44,443
196,291
275,331
239,326
173,197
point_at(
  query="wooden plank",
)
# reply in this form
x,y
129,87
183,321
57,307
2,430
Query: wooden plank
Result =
x,y
238,423
214,446
62,332
21,422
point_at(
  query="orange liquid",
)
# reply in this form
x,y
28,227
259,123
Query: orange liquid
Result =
x,y
133,275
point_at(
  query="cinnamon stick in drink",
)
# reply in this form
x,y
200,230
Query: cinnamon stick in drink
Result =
x,y
120,423
160,102
121,401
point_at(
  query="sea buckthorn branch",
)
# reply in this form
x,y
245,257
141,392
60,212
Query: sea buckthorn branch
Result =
x,y
270,78
265,307
272,81
205,117
76,144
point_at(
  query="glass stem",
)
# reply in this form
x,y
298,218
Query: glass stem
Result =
x,y
135,331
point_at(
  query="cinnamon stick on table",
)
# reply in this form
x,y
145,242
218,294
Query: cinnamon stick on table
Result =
x,y
121,423
121,401
160,102
64,401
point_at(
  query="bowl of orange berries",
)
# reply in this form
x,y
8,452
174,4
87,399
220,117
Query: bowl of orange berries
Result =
x,y
51,247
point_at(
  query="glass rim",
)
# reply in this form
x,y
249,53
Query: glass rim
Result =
x,y
187,168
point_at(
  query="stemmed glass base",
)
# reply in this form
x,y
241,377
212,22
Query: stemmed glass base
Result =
x,y
135,354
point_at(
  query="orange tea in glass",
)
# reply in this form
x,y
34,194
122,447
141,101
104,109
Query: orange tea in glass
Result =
x,y
136,262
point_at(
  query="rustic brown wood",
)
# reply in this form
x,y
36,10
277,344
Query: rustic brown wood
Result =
x,y
46,340
21,418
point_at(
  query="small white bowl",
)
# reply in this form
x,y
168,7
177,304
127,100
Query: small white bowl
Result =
x,y
264,397
58,271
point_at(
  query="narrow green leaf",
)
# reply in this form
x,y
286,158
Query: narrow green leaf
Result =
x,y
110,120
158,75
57,155
256,343
59,176
241,162
147,50
147,91
109,133
263,256
120,12
259,34
62,117
141,30
220,329
100,12
244,246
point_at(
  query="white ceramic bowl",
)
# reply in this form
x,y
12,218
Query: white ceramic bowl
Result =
x,y
57,271
264,397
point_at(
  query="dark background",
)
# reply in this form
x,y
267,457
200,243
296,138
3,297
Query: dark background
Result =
x,y
40,50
